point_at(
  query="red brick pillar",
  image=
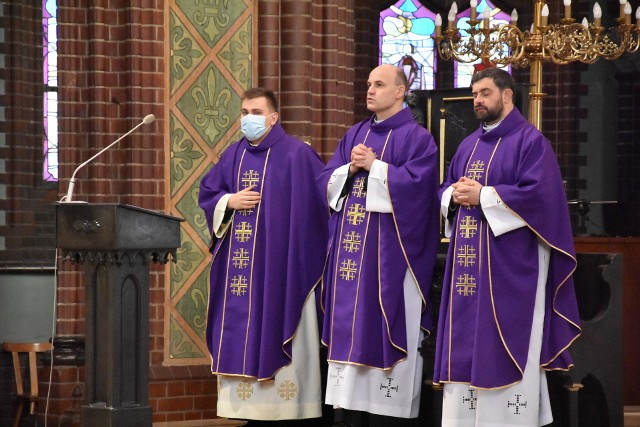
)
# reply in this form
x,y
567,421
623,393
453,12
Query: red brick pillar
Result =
x,y
306,53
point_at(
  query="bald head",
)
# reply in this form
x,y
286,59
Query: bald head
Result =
x,y
387,85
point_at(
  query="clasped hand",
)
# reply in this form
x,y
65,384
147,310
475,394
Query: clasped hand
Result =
x,y
362,157
244,199
466,192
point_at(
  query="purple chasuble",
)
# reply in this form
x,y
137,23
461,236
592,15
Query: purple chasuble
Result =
x,y
370,252
489,286
270,258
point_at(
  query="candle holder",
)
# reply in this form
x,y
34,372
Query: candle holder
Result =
x,y
561,43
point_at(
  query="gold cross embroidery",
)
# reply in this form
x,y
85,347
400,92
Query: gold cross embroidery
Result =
x,y
240,258
348,269
466,285
245,212
466,255
468,227
244,390
239,285
250,178
243,232
287,390
358,188
352,242
476,169
355,215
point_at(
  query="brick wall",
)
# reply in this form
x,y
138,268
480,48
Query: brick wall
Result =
x,y
621,217
366,47
26,211
316,55
112,76
111,62
306,54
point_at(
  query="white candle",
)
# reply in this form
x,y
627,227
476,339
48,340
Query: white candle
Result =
x,y
545,16
627,13
567,9
452,15
597,14
622,5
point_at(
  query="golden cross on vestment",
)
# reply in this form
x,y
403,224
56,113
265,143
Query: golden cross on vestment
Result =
x,y
476,169
250,178
468,227
348,269
466,255
287,390
240,258
243,232
466,285
358,188
244,390
239,285
355,214
352,242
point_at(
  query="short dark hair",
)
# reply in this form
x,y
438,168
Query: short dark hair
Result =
x,y
501,78
401,79
260,92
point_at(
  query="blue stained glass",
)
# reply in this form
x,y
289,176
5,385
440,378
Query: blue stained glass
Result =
x,y
464,71
405,40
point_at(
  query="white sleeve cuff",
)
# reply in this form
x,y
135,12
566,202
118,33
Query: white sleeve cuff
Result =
x,y
444,209
500,218
378,198
336,184
219,229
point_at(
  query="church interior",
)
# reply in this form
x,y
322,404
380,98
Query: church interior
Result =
x,y
75,76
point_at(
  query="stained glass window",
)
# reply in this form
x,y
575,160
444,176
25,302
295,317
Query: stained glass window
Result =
x,y
405,41
50,72
464,71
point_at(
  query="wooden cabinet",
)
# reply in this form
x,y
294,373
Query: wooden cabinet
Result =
x,y
630,249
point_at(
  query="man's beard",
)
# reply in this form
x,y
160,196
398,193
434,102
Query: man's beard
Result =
x,y
489,115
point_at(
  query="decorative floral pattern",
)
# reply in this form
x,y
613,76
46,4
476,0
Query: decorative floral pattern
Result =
x,y
208,61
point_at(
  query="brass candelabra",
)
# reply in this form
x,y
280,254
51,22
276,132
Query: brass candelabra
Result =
x,y
560,43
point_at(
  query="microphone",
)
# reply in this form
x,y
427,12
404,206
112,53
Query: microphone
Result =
x,y
149,118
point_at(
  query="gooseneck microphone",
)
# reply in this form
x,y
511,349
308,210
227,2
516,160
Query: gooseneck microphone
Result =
x,y
69,197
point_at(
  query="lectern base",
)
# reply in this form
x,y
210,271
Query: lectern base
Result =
x,y
102,416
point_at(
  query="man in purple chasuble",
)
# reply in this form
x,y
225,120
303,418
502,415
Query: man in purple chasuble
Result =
x,y
381,185
508,310
268,226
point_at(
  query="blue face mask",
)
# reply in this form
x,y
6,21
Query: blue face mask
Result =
x,y
253,126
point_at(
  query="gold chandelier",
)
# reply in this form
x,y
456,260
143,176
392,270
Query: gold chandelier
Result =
x,y
560,43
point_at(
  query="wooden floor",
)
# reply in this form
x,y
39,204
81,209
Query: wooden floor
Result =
x,y
632,416
201,423
631,419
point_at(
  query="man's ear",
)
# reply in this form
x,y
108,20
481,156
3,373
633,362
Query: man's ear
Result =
x,y
402,91
274,118
507,96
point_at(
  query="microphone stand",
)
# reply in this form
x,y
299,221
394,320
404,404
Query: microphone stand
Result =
x,y
69,197
583,211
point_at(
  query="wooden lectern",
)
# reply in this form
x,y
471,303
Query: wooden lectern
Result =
x,y
115,243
